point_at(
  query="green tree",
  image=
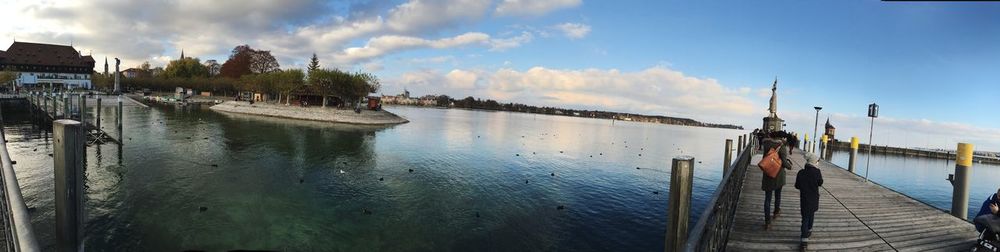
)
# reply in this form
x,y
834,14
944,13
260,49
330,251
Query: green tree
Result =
x,y
288,81
185,68
313,63
7,76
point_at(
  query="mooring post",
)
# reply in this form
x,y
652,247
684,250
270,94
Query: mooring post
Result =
x,y
97,110
681,179
728,157
69,180
960,181
739,144
120,120
83,110
822,146
854,155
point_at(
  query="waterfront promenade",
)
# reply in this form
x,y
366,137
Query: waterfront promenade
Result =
x,y
853,215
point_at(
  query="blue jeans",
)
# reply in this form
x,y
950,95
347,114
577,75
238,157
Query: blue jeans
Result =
x,y
767,203
807,223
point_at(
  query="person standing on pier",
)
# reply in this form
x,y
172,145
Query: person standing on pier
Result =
x,y
772,186
808,181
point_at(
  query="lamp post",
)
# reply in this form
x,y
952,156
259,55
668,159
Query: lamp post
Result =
x,y
873,113
815,127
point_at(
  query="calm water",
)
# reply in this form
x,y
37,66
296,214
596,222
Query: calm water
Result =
x,y
302,186
924,178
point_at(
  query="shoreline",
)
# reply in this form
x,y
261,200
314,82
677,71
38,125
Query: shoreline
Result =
x,y
333,115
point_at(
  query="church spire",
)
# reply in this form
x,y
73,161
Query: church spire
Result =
x,y
182,53
105,65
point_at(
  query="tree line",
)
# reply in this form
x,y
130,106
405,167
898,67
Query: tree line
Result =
x,y
248,70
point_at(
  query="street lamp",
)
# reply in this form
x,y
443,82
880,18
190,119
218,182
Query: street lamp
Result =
x,y
815,127
873,113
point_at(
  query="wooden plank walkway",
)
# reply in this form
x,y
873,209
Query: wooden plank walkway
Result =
x,y
853,216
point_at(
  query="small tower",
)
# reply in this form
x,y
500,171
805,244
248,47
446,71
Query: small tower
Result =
x,y
830,130
105,66
182,53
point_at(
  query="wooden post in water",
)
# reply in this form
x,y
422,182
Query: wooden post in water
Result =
x,y
66,113
120,119
97,110
960,181
681,179
83,109
69,180
728,157
739,144
854,155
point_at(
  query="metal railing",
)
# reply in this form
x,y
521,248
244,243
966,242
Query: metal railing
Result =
x,y
17,230
712,230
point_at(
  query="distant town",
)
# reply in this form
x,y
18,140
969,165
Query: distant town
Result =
x,y
488,104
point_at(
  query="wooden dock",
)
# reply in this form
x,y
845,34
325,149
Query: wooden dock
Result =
x,y
853,216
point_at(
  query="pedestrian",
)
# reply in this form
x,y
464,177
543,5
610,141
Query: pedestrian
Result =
x,y
772,186
989,207
808,181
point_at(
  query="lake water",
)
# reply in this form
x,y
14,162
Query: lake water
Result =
x,y
480,181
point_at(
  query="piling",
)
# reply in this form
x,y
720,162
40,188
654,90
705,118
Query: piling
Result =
x,y
69,180
739,145
854,155
822,146
66,113
681,179
97,111
728,157
960,181
83,109
120,119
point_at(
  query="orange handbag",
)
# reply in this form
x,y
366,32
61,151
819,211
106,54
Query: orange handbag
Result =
x,y
771,163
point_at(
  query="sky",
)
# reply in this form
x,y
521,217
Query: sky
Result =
x,y
933,67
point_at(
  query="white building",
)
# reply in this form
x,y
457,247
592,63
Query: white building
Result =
x,y
46,65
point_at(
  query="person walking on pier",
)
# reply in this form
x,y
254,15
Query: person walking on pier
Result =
x,y
808,181
772,185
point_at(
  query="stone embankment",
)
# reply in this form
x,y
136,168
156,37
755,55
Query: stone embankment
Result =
x,y
367,117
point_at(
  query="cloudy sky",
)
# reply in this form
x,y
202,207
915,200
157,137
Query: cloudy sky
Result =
x,y
933,67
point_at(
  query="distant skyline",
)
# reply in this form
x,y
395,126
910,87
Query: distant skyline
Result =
x,y
932,66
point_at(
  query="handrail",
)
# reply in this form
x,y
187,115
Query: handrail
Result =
x,y
17,216
712,230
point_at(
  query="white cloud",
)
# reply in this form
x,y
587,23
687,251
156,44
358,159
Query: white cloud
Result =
x,y
573,30
655,90
461,79
418,15
512,42
382,45
533,7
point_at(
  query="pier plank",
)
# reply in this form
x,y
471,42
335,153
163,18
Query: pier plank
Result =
x,y
854,215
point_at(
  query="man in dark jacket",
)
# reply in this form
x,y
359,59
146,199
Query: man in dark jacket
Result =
x,y
808,181
772,186
989,207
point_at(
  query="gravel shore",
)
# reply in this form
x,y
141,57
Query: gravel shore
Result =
x,y
367,117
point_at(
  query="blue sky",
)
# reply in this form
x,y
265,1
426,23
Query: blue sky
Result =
x,y
932,66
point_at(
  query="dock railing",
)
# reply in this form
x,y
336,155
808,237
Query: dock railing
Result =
x,y
712,230
17,231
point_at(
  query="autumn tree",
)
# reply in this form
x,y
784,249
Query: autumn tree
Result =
x,y
185,68
245,60
8,75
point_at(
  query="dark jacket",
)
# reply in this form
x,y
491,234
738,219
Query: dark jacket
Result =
x,y
768,183
808,182
986,210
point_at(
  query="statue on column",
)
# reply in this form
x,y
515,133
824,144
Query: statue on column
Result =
x,y
773,108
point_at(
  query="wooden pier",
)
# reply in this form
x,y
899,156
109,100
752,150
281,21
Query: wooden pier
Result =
x,y
853,215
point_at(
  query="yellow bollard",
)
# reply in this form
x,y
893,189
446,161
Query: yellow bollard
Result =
x,y
854,154
960,181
